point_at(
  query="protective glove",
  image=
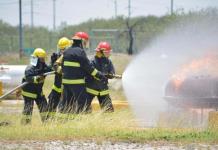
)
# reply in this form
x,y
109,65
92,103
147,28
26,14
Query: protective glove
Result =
x,y
57,68
40,79
18,93
102,77
109,76
54,57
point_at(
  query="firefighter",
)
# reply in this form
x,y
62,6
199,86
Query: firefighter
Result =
x,y
95,87
54,96
33,90
75,66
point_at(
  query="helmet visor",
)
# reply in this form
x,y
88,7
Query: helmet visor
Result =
x,y
33,60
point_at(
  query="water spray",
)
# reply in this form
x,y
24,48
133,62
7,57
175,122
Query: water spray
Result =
x,y
145,78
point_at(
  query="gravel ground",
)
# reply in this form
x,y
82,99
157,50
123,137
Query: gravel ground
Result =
x,y
91,145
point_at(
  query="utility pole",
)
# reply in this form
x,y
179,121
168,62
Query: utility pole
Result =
x,y
171,7
20,30
31,38
31,13
115,8
129,8
54,15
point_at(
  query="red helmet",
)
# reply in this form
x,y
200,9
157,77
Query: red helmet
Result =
x,y
81,35
105,46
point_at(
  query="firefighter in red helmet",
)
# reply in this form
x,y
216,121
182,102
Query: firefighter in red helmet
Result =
x,y
84,37
95,87
75,67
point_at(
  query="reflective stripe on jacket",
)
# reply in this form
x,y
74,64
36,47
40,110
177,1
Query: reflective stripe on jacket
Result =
x,y
104,65
76,66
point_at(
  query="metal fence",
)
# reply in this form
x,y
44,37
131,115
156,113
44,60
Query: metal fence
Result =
x,y
118,39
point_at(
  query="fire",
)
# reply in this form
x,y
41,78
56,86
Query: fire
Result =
x,y
207,65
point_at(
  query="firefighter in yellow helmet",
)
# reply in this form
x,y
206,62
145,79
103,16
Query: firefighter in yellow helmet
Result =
x,y
55,94
33,90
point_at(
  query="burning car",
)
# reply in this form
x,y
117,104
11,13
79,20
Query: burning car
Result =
x,y
195,85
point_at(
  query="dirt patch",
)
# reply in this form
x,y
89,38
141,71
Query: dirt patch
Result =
x,y
93,145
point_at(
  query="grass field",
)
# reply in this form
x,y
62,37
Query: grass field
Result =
x,y
118,126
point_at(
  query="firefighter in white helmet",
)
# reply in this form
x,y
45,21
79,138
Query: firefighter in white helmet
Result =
x,y
55,94
33,90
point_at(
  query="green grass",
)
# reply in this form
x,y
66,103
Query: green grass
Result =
x,y
118,126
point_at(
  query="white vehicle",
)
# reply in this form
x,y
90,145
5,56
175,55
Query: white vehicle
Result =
x,y
11,76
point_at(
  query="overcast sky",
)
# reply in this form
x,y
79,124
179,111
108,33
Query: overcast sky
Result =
x,y
77,11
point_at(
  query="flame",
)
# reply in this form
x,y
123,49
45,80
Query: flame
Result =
x,y
207,65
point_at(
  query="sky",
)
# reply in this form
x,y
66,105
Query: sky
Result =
x,y
72,12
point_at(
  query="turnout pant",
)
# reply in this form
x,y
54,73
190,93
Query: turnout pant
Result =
x,y
104,101
54,98
28,108
55,94
74,99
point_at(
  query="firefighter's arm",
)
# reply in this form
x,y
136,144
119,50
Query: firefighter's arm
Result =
x,y
89,68
57,65
59,61
111,71
31,76
54,57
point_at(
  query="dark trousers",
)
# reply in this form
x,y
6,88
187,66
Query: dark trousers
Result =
x,y
104,101
53,100
74,99
28,108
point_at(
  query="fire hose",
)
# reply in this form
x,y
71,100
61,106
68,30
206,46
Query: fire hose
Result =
x,y
23,84
116,76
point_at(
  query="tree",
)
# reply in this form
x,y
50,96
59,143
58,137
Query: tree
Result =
x,y
130,30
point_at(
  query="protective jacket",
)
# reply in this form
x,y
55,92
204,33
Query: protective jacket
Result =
x,y
34,87
95,86
76,66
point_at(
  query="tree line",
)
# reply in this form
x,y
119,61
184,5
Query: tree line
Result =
x,y
126,35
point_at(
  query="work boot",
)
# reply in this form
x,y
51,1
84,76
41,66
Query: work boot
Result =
x,y
25,121
5,123
44,117
51,116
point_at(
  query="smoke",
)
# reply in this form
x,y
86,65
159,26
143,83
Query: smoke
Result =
x,y
146,76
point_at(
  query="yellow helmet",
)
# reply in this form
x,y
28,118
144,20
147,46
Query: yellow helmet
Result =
x,y
63,43
39,52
